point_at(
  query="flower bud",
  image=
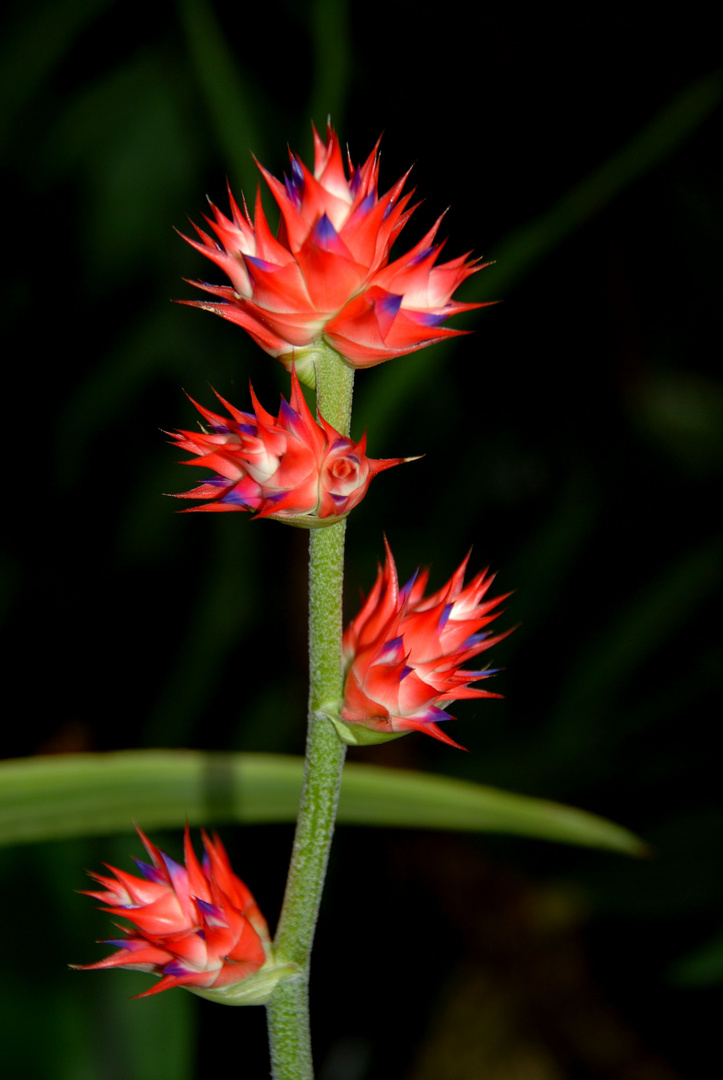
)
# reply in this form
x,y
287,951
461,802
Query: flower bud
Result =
x,y
326,275
291,467
403,654
195,926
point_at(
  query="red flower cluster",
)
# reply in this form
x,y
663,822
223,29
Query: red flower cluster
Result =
x,y
404,652
289,467
196,926
327,272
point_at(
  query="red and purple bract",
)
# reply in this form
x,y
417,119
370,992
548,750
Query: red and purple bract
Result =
x,y
404,651
290,467
327,273
196,925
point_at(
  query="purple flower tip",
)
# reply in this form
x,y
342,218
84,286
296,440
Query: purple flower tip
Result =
x,y
150,873
256,263
208,908
365,205
430,318
287,412
391,646
406,589
297,175
235,498
175,870
324,234
177,968
421,256
390,304
433,715
212,914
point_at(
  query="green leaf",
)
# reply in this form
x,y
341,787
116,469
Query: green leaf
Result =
x,y
703,967
520,252
331,34
32,47
517,254
54,798
232,99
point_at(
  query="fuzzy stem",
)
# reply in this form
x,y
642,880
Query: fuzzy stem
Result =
x,y
287,1011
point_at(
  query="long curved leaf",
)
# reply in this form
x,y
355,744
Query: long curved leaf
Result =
x,y
54,798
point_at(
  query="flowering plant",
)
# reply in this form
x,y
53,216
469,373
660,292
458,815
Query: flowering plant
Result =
x,y
291,467
196,926
325,297
404,652
326,276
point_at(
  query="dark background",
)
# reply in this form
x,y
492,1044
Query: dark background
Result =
x,y
574,440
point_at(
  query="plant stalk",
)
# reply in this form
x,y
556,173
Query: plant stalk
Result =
x,y
287,1010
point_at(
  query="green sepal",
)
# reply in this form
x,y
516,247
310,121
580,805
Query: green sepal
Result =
x,y
255,989
304,360
358,735
310,521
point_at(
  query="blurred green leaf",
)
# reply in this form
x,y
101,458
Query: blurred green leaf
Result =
x,y
518,253
81,795
153,345
134,172
703,967
644,625
682,412
231,100
332,62
396,384
156,1043
223,613
32,47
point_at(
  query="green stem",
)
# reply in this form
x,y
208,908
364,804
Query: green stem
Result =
x,y
287,1011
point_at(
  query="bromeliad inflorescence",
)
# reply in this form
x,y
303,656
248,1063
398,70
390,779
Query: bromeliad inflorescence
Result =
x,y
325,297
326,275
404,651
196,926
291,467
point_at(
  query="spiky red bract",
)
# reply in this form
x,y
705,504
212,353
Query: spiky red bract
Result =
x,y
291,467
404,651
327,274
195,926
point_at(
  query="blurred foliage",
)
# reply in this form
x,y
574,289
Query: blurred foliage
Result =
x,y
574,440
703,966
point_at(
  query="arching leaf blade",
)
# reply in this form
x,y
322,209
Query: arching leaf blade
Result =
x,y
60,797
